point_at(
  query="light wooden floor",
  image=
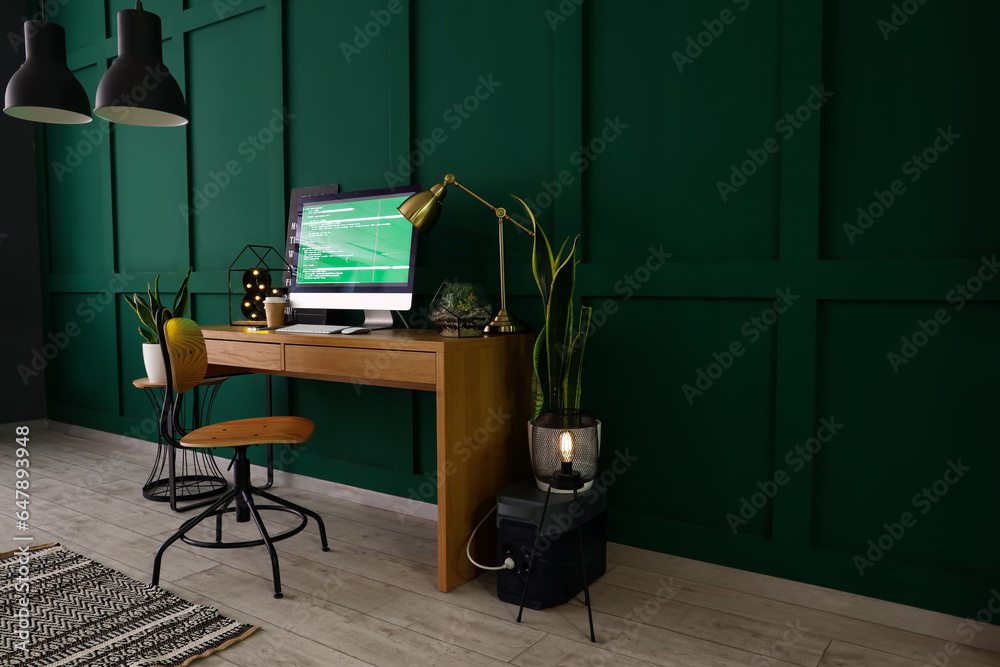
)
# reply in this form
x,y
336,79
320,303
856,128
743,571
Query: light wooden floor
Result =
x,y
373,598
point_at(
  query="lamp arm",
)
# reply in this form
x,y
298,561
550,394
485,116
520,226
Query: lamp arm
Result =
x,y
501,213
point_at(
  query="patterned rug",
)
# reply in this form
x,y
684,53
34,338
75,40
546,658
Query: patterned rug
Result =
x,y
59,608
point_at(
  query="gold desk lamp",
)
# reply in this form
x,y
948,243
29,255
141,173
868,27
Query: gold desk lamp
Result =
x,y
423,209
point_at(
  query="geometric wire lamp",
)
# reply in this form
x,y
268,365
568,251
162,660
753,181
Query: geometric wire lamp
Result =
x,y
423,210
43,89
138,89
256,275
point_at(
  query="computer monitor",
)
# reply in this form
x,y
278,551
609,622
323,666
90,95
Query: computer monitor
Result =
x,y
350,251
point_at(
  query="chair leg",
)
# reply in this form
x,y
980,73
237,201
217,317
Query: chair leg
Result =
x,y
255,515
218,520
185,527
308,512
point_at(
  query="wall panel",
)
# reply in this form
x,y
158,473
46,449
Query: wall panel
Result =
x,y
687,124
234,126
505,96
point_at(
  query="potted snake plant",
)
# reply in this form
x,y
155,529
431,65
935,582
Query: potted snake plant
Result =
x,y
557,380
146,310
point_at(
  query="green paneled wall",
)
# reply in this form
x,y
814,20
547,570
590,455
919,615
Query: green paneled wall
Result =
x,y
616,127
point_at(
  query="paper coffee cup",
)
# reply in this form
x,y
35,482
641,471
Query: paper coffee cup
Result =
x,y
274,308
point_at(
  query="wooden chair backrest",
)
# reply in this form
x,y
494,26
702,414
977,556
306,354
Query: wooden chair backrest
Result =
x,y
188,355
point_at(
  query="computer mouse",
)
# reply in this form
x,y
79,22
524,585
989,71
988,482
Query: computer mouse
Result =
x,y
355,330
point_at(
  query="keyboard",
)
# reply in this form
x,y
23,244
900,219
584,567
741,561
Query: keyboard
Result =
x,y
311,329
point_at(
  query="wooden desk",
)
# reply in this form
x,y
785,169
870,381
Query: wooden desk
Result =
x,y
476,380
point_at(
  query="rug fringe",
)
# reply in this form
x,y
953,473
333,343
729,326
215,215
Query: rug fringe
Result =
x,y
8,554
218,648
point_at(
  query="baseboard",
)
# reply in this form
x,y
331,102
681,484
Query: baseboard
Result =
x,y
32,424
324,487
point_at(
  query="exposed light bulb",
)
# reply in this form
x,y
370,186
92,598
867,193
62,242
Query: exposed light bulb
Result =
x,y
566,446
256,272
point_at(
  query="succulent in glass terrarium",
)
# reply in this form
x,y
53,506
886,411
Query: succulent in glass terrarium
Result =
x,y
460,310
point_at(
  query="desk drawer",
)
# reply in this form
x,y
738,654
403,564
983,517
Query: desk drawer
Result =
x,y
361,365
252,356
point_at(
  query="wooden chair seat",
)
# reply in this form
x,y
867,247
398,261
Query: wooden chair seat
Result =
x,y
254,431
146,383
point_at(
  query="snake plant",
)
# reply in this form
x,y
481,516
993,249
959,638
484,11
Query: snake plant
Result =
x,y
559,342
146,310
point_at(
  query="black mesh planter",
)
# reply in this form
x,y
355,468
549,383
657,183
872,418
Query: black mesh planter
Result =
x,y
544,435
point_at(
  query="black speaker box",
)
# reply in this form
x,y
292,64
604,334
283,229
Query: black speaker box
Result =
x,y
556,570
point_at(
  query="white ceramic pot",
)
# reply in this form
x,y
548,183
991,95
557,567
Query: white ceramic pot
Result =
x,y
545,487
153,359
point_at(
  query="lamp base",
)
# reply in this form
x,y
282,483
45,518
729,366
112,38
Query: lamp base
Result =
x,y
566,481
503,324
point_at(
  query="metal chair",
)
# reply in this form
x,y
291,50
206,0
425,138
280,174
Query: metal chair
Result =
x,y
195,478
186,360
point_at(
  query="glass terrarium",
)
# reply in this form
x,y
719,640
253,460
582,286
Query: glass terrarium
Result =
x,y
460,310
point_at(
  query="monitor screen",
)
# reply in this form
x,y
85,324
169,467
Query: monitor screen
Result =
x,y
351,250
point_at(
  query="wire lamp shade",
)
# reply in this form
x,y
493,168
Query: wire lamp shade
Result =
x,y
545,432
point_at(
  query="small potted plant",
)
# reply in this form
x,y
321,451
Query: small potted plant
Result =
x,y
558,359
460,310
146,310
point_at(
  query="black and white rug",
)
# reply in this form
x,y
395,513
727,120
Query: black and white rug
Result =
x,y
59,608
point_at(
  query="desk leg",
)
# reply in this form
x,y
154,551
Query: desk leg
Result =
x,y
483,402
270,446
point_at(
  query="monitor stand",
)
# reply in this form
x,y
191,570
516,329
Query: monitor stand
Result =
x,y
374,319
378,319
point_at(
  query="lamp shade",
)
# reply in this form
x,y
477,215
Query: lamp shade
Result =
x,y
138,89
43,89
424,208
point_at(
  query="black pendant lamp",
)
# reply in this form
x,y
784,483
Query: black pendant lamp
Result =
x,y
138,89
43,89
